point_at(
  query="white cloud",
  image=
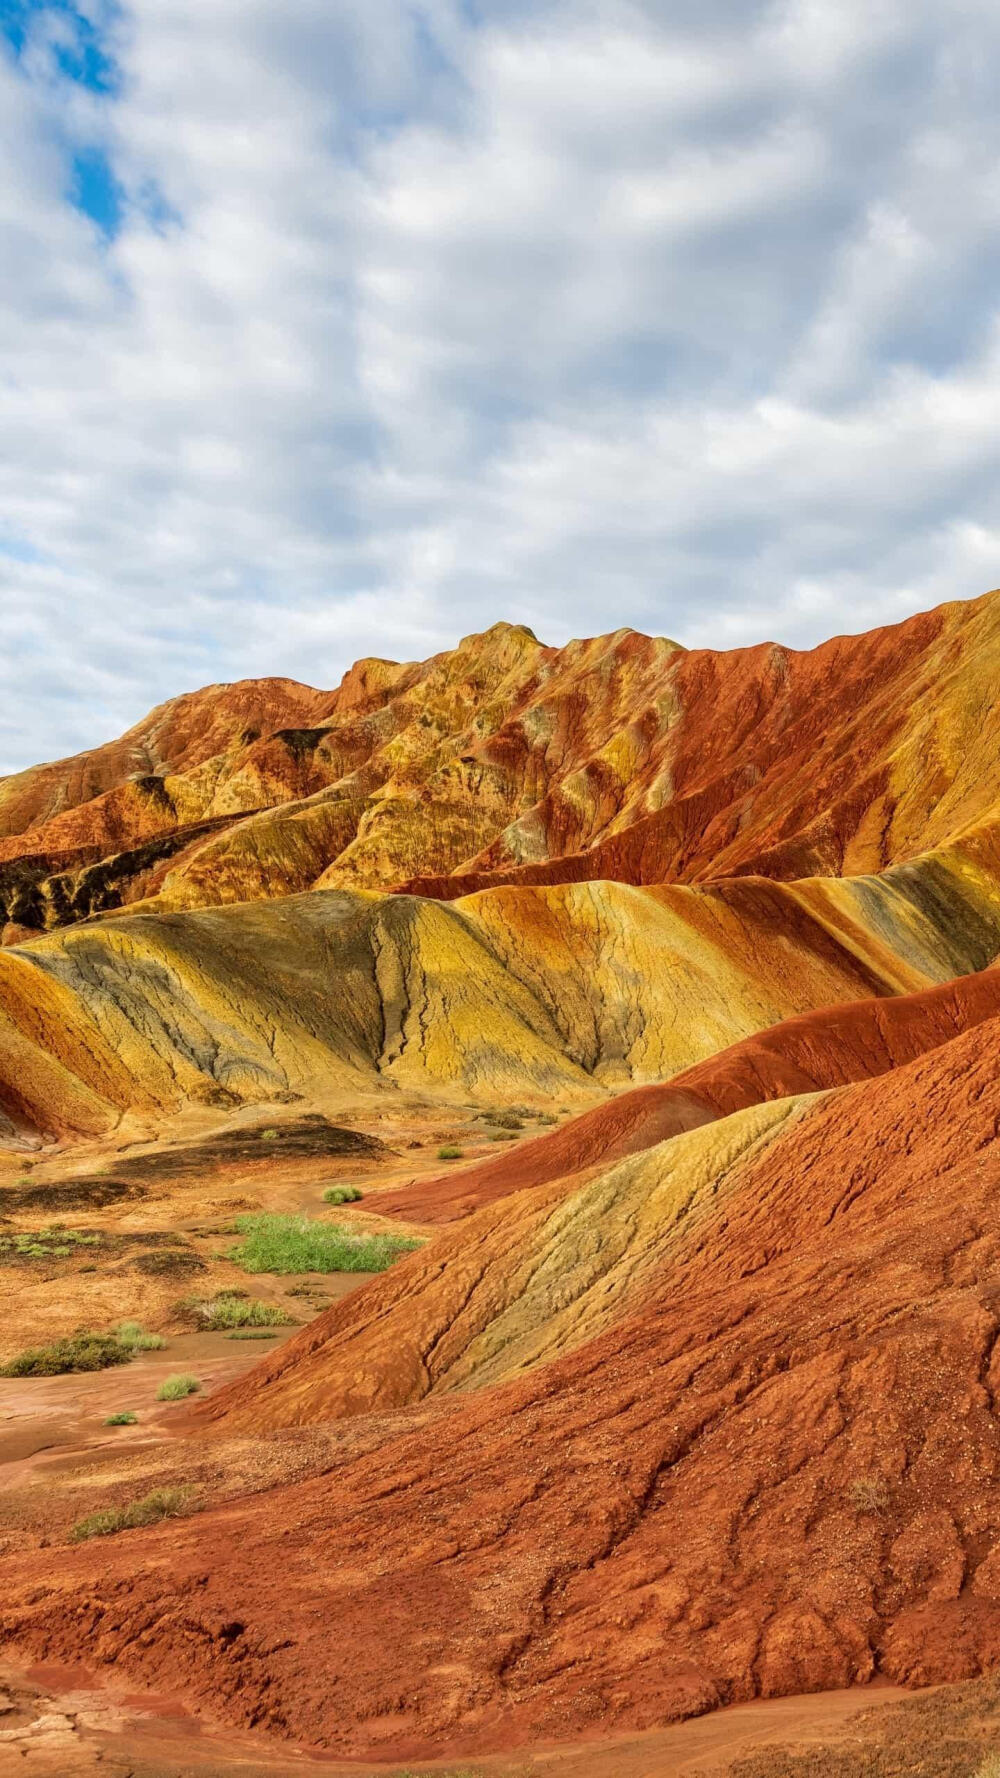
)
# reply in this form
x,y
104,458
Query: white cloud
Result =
x,y
672,314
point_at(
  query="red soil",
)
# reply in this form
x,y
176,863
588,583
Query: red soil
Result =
x,y
780,1473
829,1048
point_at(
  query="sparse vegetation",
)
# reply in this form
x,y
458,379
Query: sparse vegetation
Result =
x,y
238,1310
136,1339
54,1242
125,1418
455,1772
448,1153
253,1333
503,1135
342,1194
269,1135
162,1503
505,1120
172,1262
83,1351
177,1388
950,1732
868,1494
285,1244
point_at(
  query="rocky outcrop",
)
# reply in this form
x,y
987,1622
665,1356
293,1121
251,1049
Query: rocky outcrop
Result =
x,y
506,761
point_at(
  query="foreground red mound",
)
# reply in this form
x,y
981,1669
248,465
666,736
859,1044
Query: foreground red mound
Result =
x,y
779,1473
829,1048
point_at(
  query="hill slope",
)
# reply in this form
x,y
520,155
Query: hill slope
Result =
x,y
625,755
776,1472
547,991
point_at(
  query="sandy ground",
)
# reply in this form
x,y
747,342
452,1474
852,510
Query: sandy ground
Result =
x,y
183,1198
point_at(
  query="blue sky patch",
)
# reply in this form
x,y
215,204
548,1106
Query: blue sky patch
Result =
x,y
95,189
84,60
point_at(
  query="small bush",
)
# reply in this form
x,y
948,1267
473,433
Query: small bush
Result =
x,y
253,1333
177,1388
55,1242
269,1135
868,1494
125,1418
342,1194
286,1244
505,1120
449,1154
130,1334
79,1352
503,1135
226,1311
162,1503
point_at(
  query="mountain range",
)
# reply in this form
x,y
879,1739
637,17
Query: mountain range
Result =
x,y
688,1399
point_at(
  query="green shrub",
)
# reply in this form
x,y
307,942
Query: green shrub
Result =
x,y
125,1418
162,1503
231,1311
252,1333
78,1352
130,1334
55,1242
176,1388
269,1135
503,1135
286,1244
449,1154
341,1194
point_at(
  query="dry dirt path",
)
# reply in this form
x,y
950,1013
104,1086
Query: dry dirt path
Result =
x,y
61,1722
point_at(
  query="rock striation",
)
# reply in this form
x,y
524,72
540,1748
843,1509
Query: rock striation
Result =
x,y
504,760
770,1466
693,1400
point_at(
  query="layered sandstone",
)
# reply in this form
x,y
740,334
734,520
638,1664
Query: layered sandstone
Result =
x,y
770,1466
562,991
505,760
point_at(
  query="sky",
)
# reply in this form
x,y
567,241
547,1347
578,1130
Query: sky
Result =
x,y
331,329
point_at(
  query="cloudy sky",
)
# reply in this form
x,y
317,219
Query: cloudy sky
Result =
x,y
333,327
